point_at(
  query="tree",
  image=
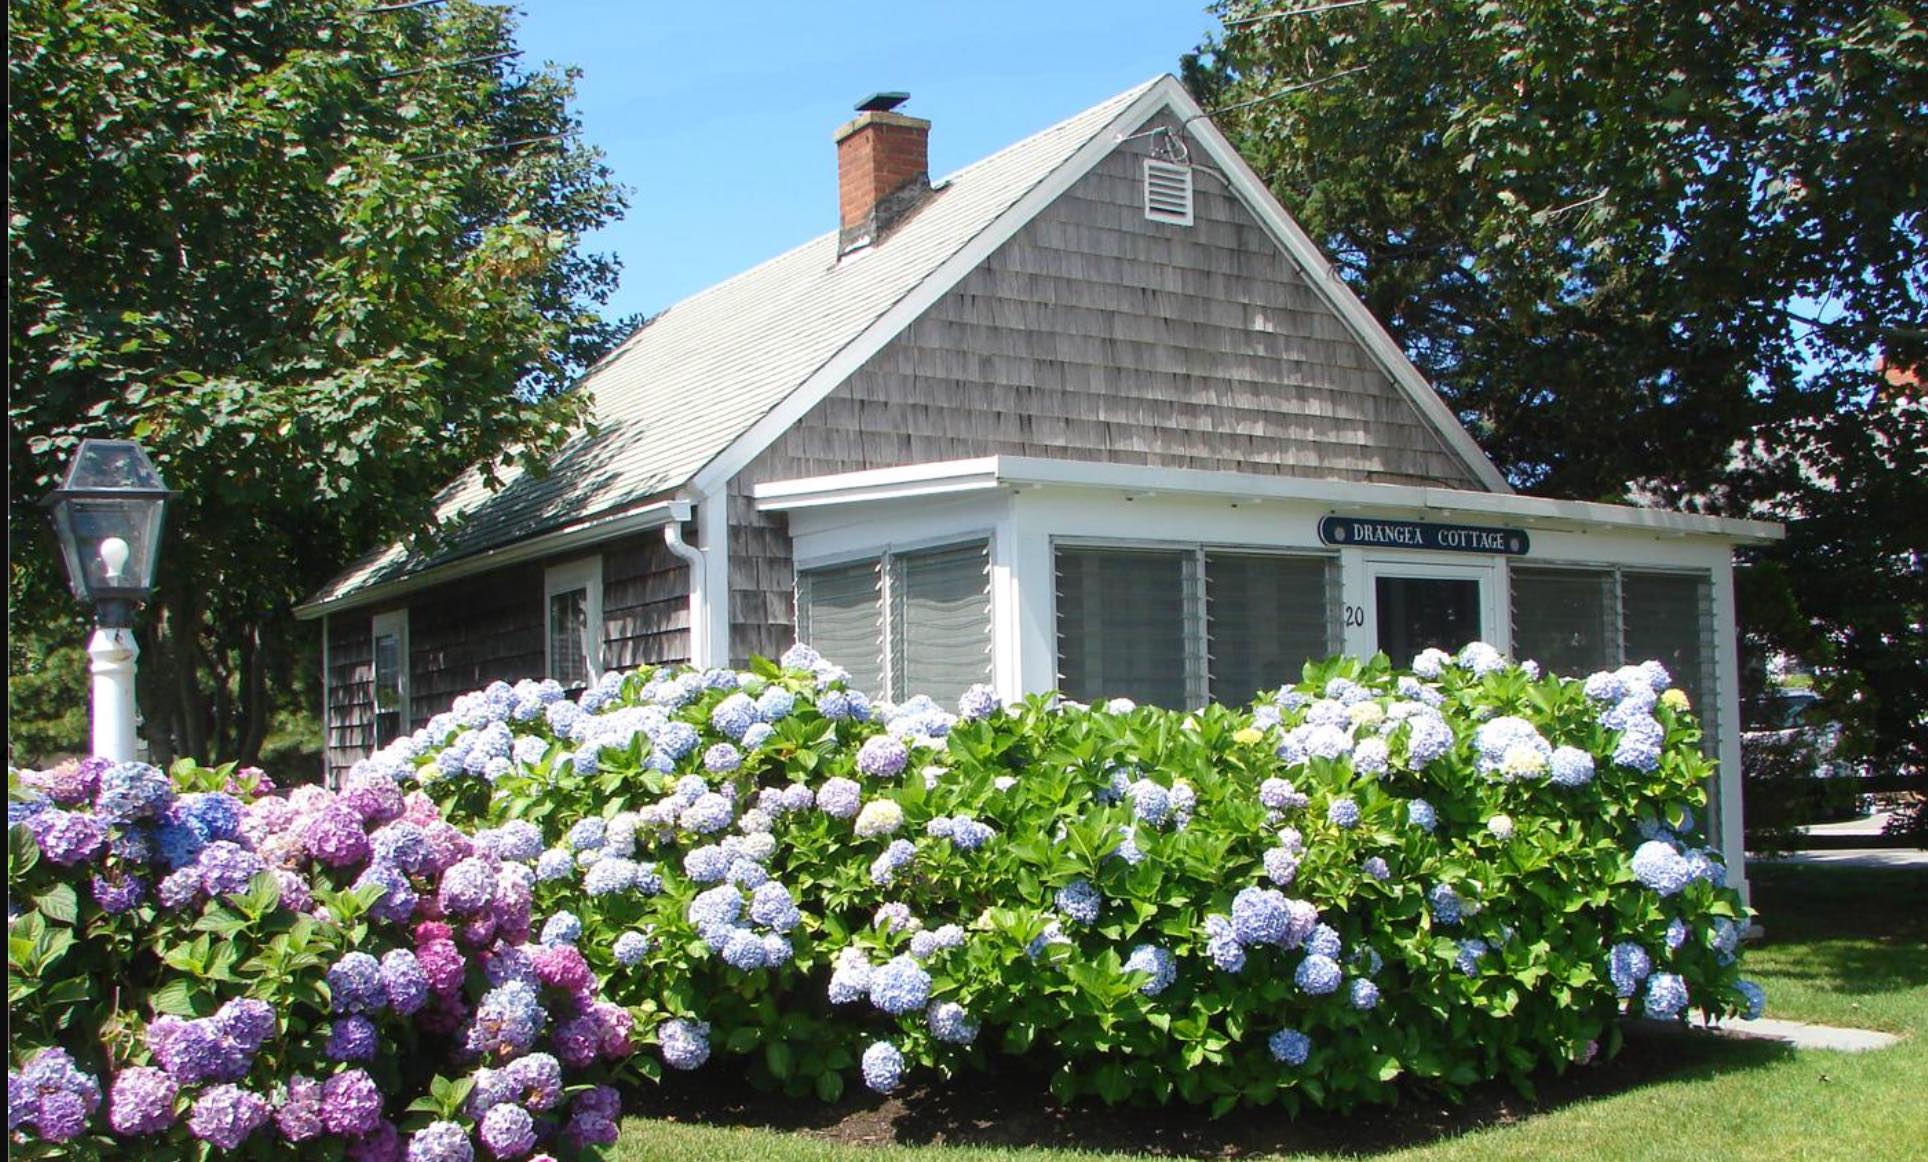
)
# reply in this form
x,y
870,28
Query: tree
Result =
x,y
319,258
1632,240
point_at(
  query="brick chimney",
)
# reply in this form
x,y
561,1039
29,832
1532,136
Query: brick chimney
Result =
x,y
883,170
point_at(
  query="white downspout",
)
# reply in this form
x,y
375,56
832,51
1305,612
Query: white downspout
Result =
x,y
699,588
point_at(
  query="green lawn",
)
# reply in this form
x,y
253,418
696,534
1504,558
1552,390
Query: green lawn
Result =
x,y
1844,946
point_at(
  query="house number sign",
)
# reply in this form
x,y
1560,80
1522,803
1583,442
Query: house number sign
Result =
x,y
1367,533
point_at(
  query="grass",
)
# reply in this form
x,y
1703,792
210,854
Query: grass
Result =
x,y
1844,946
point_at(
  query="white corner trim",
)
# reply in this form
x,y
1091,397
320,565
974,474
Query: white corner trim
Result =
x,y
713,539
991,472
716,474
1293,239
586,532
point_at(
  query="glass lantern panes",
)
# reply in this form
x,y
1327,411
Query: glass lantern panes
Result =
x,y
107,514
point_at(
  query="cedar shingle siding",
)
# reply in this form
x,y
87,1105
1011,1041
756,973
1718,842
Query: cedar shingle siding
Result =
x,y
489,627
1094,334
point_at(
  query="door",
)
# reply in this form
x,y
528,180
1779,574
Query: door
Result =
x,y
1417,606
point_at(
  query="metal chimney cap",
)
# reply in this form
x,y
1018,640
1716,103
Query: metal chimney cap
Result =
x,y
881,102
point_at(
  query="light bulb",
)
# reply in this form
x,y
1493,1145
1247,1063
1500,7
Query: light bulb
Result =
x,y
113,554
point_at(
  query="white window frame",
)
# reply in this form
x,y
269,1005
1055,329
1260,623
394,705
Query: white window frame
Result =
x,y
394,624
1492,591
585,574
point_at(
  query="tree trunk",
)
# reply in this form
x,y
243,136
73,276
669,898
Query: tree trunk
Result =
x,y
181,627
254,699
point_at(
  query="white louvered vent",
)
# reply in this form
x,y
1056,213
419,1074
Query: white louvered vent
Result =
x,y
1168,192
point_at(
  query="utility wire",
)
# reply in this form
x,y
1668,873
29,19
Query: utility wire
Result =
x,y
379,9
492,146
1285,92
433,65
1288,14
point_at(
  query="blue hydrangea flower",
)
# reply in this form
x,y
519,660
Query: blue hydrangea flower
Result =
x,y
839,798
1511,747
1157,963
707,864
1427,738
967,834
1676,934
1150,802
734,715
1317,975
1289,1047
850,979
882,757
900,986
1639,745
1371,757
722,758
1343,812
1470,951
949,1022
1259,916
1376,868
1572,767
980,701
562,928
685,1043
743,950
772,907
1756,998
1362,994
507,1021
709,814
630,948
355,984
1281,866
883,1066
1080,901
717,907
609,875
1658,866
1420,814
1446,905
1627,965
132,791
554,864
1666,995
898,855
1324,941
1279,795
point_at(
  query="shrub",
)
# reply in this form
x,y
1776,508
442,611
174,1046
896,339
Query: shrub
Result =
x,y
1444,875
198,964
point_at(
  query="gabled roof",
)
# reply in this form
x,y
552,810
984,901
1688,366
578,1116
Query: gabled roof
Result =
x,y
684,403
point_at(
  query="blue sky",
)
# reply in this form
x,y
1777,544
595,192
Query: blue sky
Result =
x,y
718,116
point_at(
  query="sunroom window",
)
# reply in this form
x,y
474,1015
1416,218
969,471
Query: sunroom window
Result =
x,y
903,622
1178,626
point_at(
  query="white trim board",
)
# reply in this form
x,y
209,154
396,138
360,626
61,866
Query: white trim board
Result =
x,y
1023,472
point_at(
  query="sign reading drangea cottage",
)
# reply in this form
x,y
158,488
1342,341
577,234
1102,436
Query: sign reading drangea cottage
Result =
x,y
1369,533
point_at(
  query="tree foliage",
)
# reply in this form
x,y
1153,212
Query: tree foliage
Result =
x,y
319,259
1642,247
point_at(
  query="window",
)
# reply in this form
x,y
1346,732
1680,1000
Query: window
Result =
x,y
903,623
1576,621
1168,192
1174,627
572,597
390,662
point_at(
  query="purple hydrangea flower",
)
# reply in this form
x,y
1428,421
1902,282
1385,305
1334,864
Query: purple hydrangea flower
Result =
x,y
142,1101
334,836
353,1038
443,1141
117,894
226,1114
508,1131
882,757
839,798
299,1117
351,1103
132,791
355,984
54,1094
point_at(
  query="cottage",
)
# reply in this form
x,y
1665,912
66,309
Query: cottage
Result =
x,y
1091,415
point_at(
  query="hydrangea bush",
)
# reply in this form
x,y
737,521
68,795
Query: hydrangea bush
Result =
x,y
1452,873
198,965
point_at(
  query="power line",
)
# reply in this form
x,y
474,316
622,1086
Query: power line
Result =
x,y
1314,11
492,146
433,65
1297,87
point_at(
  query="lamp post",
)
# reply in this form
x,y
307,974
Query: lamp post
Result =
x,y
107,513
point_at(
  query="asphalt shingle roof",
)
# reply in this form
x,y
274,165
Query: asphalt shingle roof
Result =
x,y
697,376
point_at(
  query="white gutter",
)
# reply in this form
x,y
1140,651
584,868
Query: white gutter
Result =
x,y
698,599
560,540
990,472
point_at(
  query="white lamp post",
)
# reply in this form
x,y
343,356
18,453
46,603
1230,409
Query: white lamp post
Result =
x,y
107,514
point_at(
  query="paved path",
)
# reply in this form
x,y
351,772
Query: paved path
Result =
x,y
1853,857
1798,1034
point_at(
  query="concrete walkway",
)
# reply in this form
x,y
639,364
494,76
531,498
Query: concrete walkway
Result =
x,y
1853,857
1797,1034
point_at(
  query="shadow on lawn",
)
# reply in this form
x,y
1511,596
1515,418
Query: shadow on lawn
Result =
x,y
1014,1109
1853,931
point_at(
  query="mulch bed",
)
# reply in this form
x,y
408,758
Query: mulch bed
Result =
x,y
1014,1108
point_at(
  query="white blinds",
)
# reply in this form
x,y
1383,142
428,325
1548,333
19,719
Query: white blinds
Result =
x,y
1125,626
569,637
840,614
1565,619
940,621
1268,615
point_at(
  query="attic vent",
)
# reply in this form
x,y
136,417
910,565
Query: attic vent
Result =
x,y
1168,192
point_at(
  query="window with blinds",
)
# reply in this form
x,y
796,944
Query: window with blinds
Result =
x,y
1176,627
1266,617
1669,617
940,621
1566,619
1125,626
840,614
903,623
390,632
